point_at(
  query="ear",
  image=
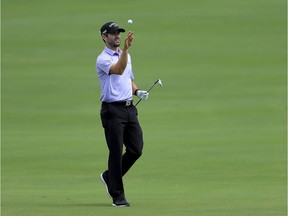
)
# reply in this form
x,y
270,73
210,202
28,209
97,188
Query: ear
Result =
x,y
104,38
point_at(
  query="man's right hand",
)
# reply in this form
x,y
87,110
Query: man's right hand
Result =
x,y
128,40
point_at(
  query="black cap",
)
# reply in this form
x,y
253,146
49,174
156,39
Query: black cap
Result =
x,y
110,28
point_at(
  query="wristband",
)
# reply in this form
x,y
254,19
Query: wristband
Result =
x,y
135,92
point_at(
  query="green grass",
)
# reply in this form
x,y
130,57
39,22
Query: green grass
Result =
x,y
215,135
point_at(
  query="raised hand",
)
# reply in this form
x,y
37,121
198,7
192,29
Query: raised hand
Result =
x,y
128,40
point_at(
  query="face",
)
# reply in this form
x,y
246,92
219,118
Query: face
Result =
x,y
113,40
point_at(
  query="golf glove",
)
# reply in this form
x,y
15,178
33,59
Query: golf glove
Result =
x,y
143,95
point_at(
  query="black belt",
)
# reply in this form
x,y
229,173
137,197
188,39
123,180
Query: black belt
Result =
x,y
124,103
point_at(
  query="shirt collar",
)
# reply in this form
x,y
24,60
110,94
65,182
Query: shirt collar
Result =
x,y
112,52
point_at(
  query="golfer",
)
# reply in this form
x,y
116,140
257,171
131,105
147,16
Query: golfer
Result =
x,y
118,114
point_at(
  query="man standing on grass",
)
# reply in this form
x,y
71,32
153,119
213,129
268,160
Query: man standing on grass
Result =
x,y
118,114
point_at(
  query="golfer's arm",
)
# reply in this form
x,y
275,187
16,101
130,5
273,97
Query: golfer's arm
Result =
x,y
134,87
120,66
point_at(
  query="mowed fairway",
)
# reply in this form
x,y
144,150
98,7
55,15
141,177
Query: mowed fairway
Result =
x,y
215,134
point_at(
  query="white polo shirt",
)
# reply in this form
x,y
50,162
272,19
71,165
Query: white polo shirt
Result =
x,y
114,87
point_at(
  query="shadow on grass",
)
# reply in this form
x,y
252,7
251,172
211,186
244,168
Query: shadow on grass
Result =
x,y
89,204
78,205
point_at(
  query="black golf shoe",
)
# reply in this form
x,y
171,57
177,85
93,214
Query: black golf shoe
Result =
x,y
105,179
120,202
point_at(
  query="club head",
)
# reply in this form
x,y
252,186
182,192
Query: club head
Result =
x,y
160,83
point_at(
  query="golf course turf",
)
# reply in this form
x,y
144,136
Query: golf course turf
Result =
x,y
215,134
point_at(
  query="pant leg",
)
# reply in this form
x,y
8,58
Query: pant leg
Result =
x,y
113,120
133,141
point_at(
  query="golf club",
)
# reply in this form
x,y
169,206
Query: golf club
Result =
x,y
157,81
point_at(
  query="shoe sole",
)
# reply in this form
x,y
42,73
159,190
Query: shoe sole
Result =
x,y
126,205
106,186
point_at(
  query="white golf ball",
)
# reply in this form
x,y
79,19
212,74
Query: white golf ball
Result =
x,y
130,21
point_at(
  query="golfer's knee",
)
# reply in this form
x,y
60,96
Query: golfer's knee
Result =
x,y
136,154
139,154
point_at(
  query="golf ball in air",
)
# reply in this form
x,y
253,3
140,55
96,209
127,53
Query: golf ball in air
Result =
x,y
130,21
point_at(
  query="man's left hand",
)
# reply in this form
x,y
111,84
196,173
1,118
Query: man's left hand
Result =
x,y
143,95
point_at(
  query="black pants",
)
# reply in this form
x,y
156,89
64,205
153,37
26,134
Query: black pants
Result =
x,y
121,126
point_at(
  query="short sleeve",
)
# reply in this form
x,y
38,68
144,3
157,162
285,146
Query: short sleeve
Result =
x,y
104,63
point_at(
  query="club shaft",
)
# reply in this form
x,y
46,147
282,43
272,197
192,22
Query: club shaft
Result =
x,y
152,86
148,91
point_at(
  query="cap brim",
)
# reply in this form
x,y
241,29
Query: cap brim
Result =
x,y
117,30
